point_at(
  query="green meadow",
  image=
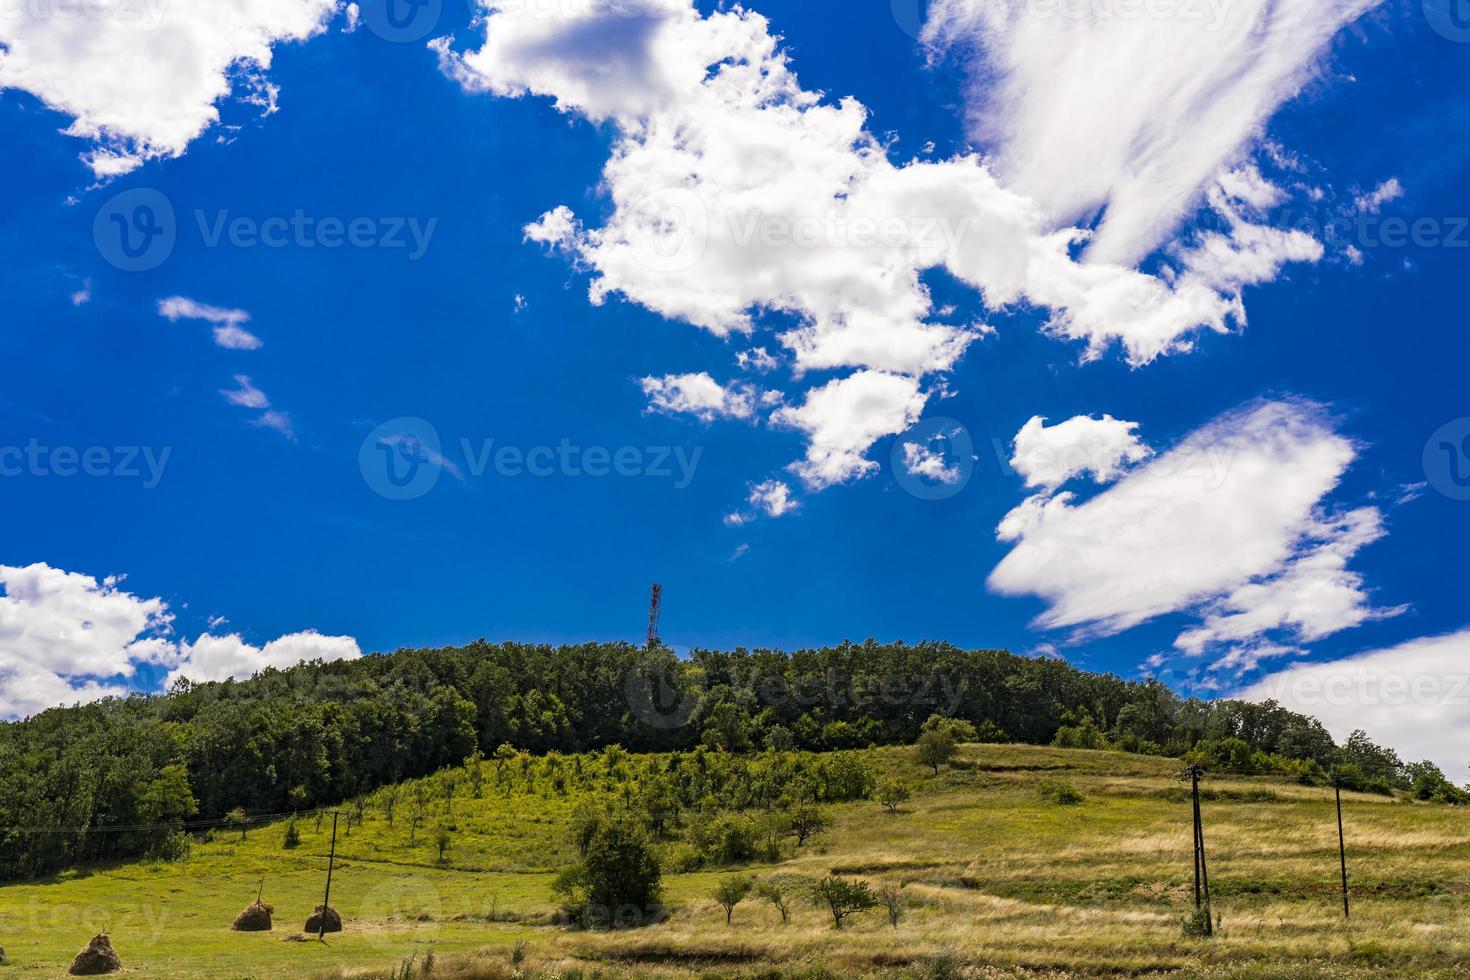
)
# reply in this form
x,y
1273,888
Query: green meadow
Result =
x,y
999,878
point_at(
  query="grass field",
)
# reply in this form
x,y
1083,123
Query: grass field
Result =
x,y
1001,882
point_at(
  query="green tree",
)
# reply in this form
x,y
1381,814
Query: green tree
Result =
x,y
893,793
730,891
807,821
621,873
237,819
934,749
778,891
843,897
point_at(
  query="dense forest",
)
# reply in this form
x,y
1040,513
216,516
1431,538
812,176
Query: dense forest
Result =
x,y
322,733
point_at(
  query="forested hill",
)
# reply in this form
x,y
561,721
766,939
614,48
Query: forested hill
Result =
x,y
322,733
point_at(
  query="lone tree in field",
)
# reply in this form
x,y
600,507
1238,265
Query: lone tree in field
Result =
x,y
237,820
388,798
619,879
777,891
843,897
893,793
806,822
730,891
891,896
935,748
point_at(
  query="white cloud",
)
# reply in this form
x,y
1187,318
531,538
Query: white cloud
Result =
x,y
928,462
278,422
771,498
218,658
228,332
245,394
1048,456
66,637
143,79
698,395
1313,596
1230,524
735,192
1414,697
843,418
757,359
1091,110
1373,201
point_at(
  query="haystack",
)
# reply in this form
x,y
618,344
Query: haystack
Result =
x,y
98,958
314,924
256,918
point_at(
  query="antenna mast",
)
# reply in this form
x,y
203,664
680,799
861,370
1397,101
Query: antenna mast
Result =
x,y
655,601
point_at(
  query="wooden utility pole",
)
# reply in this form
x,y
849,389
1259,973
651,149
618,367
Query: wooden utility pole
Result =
x,y
327,898
1201,866
1342,850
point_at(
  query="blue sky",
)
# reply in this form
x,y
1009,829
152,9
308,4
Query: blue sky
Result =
x,y
258,532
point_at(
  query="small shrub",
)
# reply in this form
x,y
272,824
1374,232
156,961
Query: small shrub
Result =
x,y
177,846
293,837
1197,924
1062,794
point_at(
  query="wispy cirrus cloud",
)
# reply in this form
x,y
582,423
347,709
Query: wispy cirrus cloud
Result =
x,y
228,324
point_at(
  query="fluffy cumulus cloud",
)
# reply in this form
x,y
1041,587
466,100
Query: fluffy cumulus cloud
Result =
x,y
1414,697
698,395
844,417
67,637
143,78
1048,456
227,324
735,192
218,658
1230,525
1130,110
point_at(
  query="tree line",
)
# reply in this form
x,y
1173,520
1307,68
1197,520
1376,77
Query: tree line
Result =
x,y
112,779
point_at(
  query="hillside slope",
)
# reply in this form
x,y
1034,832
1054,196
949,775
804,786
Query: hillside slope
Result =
x,y
1000,879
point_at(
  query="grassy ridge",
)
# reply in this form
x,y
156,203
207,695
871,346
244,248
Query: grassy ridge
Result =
x,y
1002,881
